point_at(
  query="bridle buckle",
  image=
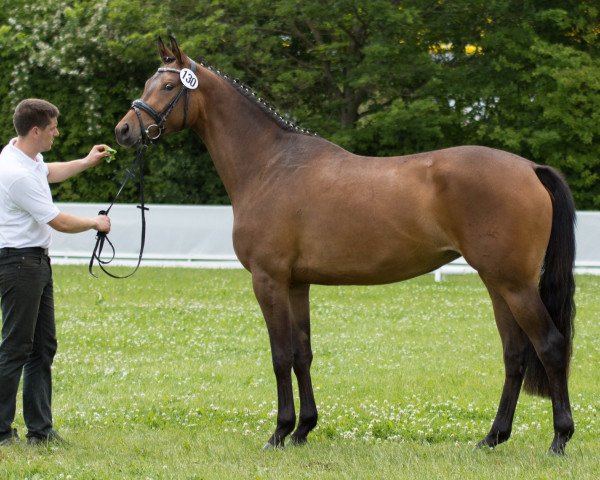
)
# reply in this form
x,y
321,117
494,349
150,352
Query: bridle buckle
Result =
x,y
153,132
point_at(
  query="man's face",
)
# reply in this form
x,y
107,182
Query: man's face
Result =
x,y
46,135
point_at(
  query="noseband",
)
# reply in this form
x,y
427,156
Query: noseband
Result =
x,y
153,132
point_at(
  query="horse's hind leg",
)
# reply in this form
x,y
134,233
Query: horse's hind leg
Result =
x,y
514,345
273,298
549,345
530,313
299,305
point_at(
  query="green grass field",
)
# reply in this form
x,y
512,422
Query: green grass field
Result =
x,y
168,375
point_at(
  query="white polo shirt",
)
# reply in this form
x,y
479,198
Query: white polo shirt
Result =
x,y
26,204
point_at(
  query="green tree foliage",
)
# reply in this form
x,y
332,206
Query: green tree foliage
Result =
x,y
382,77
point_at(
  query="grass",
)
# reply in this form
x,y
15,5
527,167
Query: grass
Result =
x,y
168,375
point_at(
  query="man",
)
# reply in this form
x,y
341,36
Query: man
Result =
x,y
27,217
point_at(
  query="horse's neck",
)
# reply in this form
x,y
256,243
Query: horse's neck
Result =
x,y
240,138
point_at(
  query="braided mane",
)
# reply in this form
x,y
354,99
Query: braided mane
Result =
x,y
268,109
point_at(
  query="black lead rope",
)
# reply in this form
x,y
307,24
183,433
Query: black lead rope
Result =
x,y
102,238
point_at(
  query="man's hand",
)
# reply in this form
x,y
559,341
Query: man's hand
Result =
x,y
97,153
102,223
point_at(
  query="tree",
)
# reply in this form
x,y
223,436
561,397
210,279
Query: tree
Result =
x,y
384,77
532,87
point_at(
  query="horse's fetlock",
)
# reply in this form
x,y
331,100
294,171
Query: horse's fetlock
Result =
x,y
309,422
565,428
286,423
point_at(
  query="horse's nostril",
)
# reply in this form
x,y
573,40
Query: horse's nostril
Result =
x,y
121,132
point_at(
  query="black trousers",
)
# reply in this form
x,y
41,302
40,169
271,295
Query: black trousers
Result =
x,y
28,338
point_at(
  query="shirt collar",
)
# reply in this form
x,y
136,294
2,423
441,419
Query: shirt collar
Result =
x,y
25,159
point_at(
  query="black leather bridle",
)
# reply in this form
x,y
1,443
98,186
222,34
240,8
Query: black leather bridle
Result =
x,y
149,134
153,132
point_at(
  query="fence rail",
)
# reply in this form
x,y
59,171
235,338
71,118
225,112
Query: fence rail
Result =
x,y
200,236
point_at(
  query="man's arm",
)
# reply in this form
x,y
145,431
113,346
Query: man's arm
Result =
x,y
67,223
60,171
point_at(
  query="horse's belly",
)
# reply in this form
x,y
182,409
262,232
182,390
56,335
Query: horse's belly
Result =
x,y
367,268
345,246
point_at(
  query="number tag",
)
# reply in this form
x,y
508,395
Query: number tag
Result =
x,y
188,78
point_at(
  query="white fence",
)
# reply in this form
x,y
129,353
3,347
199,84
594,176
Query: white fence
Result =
x,y
200,236
176,235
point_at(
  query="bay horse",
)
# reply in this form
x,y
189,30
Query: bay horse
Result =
x,y
306,211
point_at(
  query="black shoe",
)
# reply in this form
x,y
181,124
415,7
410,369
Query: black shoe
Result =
x,y
9,437
52,437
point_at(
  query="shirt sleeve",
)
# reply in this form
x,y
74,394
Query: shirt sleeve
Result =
x,y
33,197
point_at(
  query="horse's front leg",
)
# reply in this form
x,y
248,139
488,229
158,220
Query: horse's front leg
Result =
x,y
273,298
299,304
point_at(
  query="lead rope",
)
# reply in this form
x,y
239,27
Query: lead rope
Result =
x,y
102,238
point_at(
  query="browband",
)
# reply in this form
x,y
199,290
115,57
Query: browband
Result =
x,y
176,70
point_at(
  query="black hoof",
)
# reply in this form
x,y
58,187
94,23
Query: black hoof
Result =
x,y
559,444
274,444
557,449
484,444
270,446
297,441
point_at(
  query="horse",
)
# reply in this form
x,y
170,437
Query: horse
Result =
x,y
306,211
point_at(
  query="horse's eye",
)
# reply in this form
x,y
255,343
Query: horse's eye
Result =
x,y
169,86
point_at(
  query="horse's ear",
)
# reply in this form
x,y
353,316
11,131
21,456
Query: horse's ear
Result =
x,y
165,54
175,48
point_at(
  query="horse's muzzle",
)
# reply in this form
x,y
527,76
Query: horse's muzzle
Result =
x,y
125,135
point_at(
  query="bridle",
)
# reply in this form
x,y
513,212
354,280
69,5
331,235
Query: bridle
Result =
x,y
149,135
153,132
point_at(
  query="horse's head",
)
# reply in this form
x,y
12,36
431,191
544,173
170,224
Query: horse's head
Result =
x,y
163,107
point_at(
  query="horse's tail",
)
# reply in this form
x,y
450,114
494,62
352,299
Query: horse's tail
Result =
x,y
557,284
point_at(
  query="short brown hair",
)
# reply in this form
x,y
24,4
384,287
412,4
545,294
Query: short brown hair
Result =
x,y
33,112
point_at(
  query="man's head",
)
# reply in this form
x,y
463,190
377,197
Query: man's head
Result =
x,y
38,121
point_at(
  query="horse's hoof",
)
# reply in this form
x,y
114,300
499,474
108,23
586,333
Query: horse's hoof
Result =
x,y
270,446
297,442
483,445
559,443
556,450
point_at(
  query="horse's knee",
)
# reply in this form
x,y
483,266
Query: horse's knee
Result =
x,y
282,363
302,362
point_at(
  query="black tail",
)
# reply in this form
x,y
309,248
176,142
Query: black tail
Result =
x,y
557,284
